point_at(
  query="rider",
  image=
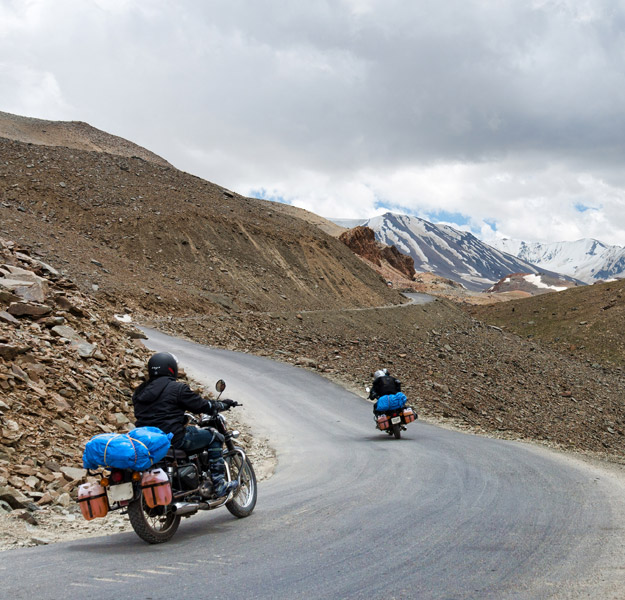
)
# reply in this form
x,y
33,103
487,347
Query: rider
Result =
x,y
383,385
161,402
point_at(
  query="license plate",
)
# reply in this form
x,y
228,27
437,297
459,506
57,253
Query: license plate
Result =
x,y
396,420
117,493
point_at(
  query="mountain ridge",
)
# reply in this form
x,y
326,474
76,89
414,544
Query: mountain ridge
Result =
x,y
171,232
447,252
71,134
587,259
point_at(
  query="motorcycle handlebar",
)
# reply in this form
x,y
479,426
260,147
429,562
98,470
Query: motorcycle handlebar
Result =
x,y
233,404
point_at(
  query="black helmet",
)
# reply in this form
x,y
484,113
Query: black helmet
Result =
x,y
162,363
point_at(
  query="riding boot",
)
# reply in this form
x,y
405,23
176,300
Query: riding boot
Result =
x,y
221,487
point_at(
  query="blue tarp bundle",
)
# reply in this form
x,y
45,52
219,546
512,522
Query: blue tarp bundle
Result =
x,y
138,449
391,401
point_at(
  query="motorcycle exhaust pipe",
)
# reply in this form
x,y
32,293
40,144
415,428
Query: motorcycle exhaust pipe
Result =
x,y
185,508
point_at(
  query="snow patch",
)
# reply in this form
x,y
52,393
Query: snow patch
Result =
x,y
537,281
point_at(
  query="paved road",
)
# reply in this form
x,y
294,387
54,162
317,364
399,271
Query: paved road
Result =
x,y
418,298
352,513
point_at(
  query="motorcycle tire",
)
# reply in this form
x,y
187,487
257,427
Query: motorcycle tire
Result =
x,y
244,501
397,431
152,525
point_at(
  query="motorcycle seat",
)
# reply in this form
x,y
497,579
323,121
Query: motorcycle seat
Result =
x,y
176,453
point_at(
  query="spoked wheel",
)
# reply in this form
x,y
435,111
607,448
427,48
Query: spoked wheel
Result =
x,y
152,525
244,501
397,431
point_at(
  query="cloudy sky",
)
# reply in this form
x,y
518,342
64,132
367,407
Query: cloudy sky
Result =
x,y
505,118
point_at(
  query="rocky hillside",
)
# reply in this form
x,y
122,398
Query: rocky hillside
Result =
x,y
182,244
67,367
585,322
361,240
71,134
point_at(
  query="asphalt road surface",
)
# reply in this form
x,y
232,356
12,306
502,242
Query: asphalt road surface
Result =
x,y
418,298
353,513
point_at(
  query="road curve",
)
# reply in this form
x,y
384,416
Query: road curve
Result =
x,y
419,298
352,513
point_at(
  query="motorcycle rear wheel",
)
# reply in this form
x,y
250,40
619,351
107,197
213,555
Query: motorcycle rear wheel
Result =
x,y
152,525
397,431
244,501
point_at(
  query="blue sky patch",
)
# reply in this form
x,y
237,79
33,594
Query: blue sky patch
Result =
x,y
579,207
262,194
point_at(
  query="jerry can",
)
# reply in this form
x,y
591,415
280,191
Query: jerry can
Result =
x,y
383,422
156,488
409,415
92,500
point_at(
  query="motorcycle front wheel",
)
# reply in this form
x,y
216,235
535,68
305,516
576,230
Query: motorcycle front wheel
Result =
x,y
244,501
152,525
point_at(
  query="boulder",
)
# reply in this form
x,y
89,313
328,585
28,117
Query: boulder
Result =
x,y
7,297
23,283
7,318
64,500
14,498
82,346
73,473
28,309
10,351
64,426
38,264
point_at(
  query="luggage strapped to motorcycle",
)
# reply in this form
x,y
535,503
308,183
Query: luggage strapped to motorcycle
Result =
x,y
127,450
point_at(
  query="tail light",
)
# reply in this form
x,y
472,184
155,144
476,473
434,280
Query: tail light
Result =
x,y
116,476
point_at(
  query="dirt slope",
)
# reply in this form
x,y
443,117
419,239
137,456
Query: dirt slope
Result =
x,y
71,134
161,239
586,322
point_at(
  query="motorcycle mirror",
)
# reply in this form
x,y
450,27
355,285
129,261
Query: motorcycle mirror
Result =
x,y
220,386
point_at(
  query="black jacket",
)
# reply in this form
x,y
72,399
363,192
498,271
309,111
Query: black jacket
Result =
x,y
383,386
162,402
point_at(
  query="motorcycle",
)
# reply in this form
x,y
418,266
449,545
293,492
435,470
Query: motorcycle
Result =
x,y
394,421
178,486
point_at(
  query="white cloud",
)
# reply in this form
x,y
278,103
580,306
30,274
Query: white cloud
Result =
x,y
509,113
31,92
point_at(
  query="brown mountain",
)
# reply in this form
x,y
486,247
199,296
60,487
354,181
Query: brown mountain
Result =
x,y
362,241
585,321
71,134
182,244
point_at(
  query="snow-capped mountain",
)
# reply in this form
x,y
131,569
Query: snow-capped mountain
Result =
x,y
457,255
587,260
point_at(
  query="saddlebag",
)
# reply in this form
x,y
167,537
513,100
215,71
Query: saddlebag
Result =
x,y
409,415
384,422
93,501
156,488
